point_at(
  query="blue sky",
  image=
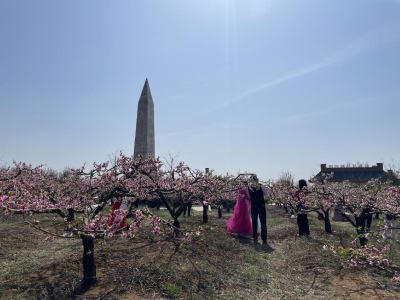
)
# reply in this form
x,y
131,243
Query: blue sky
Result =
x,y
257,86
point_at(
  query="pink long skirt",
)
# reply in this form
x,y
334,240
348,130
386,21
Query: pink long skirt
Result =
x,y
240,222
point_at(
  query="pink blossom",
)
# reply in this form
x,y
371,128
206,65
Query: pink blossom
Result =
x,y
156,230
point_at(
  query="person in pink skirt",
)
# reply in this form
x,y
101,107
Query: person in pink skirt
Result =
x,y
240,222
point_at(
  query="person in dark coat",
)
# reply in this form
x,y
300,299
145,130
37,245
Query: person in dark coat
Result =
x,y
302,220
257,192
368,218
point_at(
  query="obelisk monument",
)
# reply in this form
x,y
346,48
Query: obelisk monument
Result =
x,y
144,139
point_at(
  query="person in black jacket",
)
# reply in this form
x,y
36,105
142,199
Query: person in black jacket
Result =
x,y
257,192
302,220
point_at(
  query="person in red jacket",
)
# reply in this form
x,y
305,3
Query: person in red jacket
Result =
x,y
302,220
112,221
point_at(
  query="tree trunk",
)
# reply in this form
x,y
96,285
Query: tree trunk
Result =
x,y
70,216
328,227
176,223
360,224
363,240
205,216
219,212
89,266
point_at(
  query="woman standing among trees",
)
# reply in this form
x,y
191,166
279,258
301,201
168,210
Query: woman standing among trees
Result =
x,y
240,222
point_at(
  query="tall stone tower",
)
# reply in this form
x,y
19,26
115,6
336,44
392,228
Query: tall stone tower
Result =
x,y
144,139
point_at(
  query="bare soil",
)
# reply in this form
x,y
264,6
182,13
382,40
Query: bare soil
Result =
x,y
216,265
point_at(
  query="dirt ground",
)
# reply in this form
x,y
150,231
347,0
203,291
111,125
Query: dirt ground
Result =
x,y
216,265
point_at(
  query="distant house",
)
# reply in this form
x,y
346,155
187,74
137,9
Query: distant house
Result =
x,y
351,172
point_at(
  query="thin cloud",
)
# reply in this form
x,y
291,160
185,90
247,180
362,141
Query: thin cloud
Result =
x,y
205,130
216,129
308,115
206,77
382,36
305,116
375,39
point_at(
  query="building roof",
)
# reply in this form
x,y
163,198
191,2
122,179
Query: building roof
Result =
x,y
353,175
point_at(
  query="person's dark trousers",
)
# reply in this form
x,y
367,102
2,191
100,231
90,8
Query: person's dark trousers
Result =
x,y
187,207
259,211
300,224
302,221
306,225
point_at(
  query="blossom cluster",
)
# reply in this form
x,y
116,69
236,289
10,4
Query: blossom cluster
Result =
x,y
81,195
369,255
354,201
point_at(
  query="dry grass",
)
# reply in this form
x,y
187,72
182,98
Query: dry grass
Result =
x,y
214,266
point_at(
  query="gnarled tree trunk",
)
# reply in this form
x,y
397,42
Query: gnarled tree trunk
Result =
x,y
176,223
70,216
360,228
205,216
328,227
89,266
